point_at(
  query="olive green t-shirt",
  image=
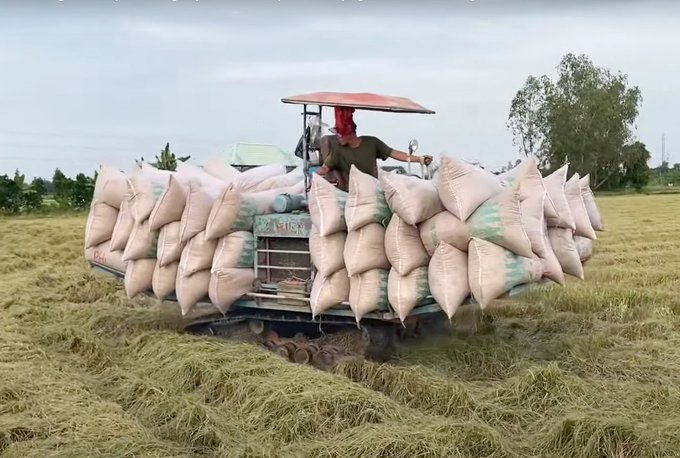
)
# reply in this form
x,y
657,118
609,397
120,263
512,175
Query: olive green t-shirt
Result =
x,y
364,157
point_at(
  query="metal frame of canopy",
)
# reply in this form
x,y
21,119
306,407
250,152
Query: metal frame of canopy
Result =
x,y
358,100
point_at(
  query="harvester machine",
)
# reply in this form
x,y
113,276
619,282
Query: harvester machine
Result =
x,y
277,313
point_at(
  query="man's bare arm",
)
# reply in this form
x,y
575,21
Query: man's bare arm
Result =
x,y
403,157
323,170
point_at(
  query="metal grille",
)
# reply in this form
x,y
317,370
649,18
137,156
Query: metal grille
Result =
x,y
279,259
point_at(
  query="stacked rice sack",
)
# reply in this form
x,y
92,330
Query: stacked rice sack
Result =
x,y
184,254
108,223
570,218
331,285
519,230
467,234
497,254
153,199
567,219
367,216
167,247
584,245
193,196
187,232
387,243
365,243
229,229
413,201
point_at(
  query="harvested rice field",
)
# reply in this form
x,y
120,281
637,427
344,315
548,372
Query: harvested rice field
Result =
x,y
591,370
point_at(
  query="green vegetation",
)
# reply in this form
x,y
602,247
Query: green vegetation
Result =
x,y
16,195
62,194
585,118
167,160
665,176
590,370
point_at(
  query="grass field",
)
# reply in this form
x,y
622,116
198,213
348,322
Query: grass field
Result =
x,y
591,370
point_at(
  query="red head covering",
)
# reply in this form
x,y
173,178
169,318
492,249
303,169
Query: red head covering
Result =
x,y
344,123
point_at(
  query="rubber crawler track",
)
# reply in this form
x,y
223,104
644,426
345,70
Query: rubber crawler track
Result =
x,y
376,343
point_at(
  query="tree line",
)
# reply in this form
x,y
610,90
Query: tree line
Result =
x,y
665,175
61,193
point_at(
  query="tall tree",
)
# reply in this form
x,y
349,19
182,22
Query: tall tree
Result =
x,y
10,195
39,186
28,196
82,191
584,118
19,178
33,194
635,169
63,187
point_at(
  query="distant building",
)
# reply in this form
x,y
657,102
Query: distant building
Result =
x,y
246,155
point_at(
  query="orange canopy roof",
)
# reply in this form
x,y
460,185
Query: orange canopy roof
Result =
x,y
360,101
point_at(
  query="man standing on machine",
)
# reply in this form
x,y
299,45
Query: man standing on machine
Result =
x,y
362,152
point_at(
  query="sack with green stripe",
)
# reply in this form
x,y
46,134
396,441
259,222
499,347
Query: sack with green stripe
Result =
x,y
197,255
235,210
444,227
407,291
448,277
499,220
329,292
493,270
142,244
227,286
413,199
366,203
368,292
146,185
236,250
164,279
530,182
327,206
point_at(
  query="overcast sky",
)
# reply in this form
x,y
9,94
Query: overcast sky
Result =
x,y
103,81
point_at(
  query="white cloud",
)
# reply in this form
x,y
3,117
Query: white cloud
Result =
x,y
236,13
177,32
276,70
